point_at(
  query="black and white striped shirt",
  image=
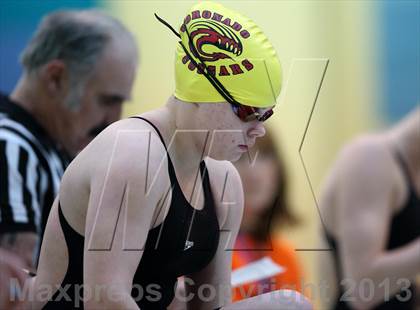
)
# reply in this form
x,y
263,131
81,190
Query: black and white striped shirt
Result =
x,y
31,166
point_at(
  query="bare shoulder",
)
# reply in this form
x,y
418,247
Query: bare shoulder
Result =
x,y
366,171
129,144
365,158
128,151
224,177
226,187
220,167
128,134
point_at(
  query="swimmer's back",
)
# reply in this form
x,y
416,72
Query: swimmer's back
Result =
x,y
123,143
112,158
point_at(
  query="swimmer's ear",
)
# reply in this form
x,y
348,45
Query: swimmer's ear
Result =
x,y
55,76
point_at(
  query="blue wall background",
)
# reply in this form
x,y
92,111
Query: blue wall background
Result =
x,y
401,57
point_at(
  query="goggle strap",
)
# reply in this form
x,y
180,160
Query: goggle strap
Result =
x,y
167,25
220,89
213,80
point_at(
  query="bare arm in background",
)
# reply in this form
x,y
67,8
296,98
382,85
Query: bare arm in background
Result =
x,y
367,196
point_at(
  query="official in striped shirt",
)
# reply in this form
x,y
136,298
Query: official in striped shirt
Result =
x,y
31,166
79,68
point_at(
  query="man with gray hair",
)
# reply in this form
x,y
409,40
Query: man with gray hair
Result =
x,y
79,68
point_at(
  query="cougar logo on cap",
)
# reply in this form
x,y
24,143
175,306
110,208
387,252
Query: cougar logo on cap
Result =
x,y
214,41
222,43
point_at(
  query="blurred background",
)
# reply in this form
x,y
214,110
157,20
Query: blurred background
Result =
x,y
364,53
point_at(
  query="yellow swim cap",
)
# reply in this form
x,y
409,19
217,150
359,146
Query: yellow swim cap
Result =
x,y
234,50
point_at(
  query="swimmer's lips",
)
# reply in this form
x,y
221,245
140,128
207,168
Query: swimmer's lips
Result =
x,y
246,147
243,147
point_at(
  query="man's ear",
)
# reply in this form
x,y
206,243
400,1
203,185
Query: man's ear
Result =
x,y
55,76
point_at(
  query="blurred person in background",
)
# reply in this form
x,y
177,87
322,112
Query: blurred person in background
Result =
x,y
264,178
79,68
371,210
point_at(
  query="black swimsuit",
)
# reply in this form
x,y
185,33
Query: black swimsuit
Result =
x,y
404,228
184,243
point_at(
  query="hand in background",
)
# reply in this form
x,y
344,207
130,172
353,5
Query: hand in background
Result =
x,y
10,268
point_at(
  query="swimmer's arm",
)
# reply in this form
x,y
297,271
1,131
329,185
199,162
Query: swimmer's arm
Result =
x,y
366,195
218,273
113,251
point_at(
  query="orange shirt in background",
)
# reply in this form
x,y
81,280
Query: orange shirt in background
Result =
x,y
281,251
